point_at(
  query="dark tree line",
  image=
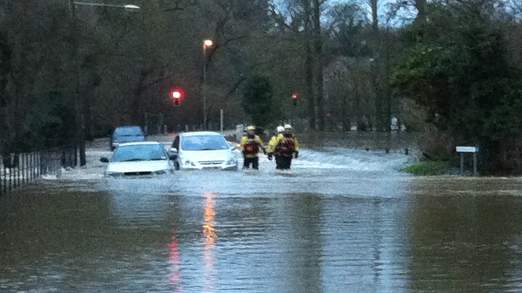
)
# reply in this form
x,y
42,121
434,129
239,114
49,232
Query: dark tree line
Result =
x,y
449,68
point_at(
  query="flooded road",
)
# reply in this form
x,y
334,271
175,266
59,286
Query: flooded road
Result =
x,y
341,221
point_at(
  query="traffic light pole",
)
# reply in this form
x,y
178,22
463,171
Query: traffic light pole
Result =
x,y
295,98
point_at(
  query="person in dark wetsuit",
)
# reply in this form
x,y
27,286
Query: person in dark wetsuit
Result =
x,y
251,145
287,147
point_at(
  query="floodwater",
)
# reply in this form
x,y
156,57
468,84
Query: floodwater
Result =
x,y
341,221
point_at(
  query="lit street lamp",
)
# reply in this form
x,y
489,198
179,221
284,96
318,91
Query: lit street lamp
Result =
x,y
125,6
78,102
206,45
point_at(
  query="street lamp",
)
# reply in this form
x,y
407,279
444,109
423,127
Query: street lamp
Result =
x,y
206,45
79,105
125,6
131,7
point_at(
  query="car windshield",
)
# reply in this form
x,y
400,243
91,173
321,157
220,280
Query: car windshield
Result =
x,y
128,131
204,143
144,152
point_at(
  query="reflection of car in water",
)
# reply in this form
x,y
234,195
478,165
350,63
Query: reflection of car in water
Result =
x,y
203,150
138,159
125,134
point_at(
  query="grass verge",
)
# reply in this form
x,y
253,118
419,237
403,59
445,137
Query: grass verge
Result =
x,y
429,168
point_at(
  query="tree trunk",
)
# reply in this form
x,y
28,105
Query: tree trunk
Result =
x,y
421,6
374,4
376,44
318,48
387,87
308,64
137,106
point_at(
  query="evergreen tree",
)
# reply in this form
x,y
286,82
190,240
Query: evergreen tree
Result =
x,y
257,100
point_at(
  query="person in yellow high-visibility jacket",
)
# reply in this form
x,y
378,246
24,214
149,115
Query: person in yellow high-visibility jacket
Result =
x,y
251,144
272,144
287,147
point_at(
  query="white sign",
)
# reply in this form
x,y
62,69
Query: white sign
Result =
x,y
467,149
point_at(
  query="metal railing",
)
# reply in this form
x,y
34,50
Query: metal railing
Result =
x,y
18,169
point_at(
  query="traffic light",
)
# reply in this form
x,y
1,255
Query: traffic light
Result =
x,y
177,95
295,98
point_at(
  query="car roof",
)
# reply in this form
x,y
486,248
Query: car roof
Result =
x,y
139,143
201,133
128,126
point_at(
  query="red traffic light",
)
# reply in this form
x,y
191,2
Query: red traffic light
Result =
x,y
295,97
177,95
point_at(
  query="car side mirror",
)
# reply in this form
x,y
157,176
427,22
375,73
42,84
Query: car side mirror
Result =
x,y
173,153
104,160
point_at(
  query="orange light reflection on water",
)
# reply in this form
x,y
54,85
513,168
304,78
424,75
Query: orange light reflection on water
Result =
x,y
210,238
175,263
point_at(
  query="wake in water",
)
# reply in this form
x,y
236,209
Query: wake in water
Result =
x,y
350,159
333,158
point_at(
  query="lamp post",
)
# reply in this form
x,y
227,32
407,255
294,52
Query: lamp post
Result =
x,y
206,45
78,101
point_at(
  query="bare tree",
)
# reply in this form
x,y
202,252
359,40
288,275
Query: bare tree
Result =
x,y
318,54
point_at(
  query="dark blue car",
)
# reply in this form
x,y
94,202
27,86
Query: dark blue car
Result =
x,y
125,134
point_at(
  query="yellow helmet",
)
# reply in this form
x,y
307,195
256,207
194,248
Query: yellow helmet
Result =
x,y
251,128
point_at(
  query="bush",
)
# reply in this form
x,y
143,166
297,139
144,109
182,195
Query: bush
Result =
x,y
429,168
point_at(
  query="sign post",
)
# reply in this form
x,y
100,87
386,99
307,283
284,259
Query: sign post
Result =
x,y
468,149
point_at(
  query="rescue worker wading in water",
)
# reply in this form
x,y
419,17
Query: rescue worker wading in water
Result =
x,y
272,147
251,144
287,147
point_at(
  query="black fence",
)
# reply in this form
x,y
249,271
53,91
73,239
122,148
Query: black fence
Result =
x,y
18,169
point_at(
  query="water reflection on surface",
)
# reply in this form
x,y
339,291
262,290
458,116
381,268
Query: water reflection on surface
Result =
x,y
471,242
309,230
210,236
175,264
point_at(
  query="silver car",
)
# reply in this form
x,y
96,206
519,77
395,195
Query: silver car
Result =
x,y
139,159
124,134
203,150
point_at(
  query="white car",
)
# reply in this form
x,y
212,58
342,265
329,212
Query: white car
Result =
x,y
139,159
203,150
